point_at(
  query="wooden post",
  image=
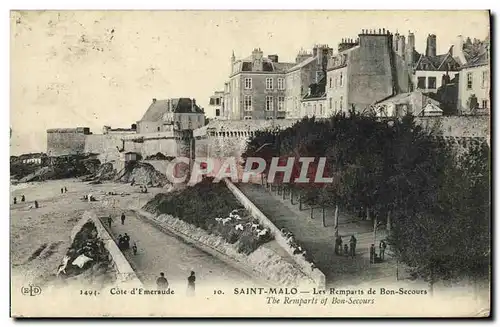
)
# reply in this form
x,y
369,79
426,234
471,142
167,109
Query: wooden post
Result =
x,y
388,227
324,223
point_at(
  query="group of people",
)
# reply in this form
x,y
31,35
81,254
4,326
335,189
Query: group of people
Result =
x,y
23,198
162,283
374,258
124,243
346,250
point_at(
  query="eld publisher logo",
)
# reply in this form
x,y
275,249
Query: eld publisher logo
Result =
x,y
31,290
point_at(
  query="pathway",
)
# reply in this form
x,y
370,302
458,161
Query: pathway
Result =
x,y
161,252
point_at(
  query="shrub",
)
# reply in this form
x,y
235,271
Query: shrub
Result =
x,y
205,205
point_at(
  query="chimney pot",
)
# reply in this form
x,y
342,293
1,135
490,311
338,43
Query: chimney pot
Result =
x,y
154,100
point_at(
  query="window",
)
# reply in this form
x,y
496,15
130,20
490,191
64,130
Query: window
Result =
x,y
281,103
469,81
431,83
421,83
341,80
336,106
217,102
485,104
269,103
314,110
321,109
217,112
281,84
248,83
248,103
319,74
330,103
269,83
484,80
331,82
341,102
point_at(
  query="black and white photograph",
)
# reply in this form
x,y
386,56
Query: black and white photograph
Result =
x,y
231,163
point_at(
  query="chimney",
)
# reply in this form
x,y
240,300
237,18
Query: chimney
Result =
x,y
154,100
273,58
401,46
430,51
133,127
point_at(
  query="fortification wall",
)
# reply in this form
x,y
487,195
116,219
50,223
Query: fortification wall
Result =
x,y
457,126
106,145
65,142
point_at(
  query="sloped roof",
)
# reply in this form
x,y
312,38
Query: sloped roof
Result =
x,y
436,62
480,60
303,63
179,105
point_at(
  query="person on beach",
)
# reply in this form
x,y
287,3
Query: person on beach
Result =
x,y
123,218
191,284
65,190
36,204
62,190
23,198
162,282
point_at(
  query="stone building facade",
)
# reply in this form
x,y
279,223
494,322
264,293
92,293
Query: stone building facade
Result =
x,y
365,70
264,88
215,108
474,85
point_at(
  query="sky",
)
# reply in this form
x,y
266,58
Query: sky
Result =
x,y
96,68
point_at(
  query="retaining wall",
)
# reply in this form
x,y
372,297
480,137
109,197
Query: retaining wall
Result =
x,y
315,274
264,265
123,270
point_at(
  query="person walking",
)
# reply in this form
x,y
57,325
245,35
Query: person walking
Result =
x,y
338,245
65,190
126,241
15,200
382,247
191,284
162,282
36,204
134,248
62,190
373,254
23,198
123,219
352,246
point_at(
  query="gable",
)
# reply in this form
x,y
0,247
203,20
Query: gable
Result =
x,y
449,64
425,64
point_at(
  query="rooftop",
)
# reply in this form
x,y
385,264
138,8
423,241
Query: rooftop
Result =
x,y
177,105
